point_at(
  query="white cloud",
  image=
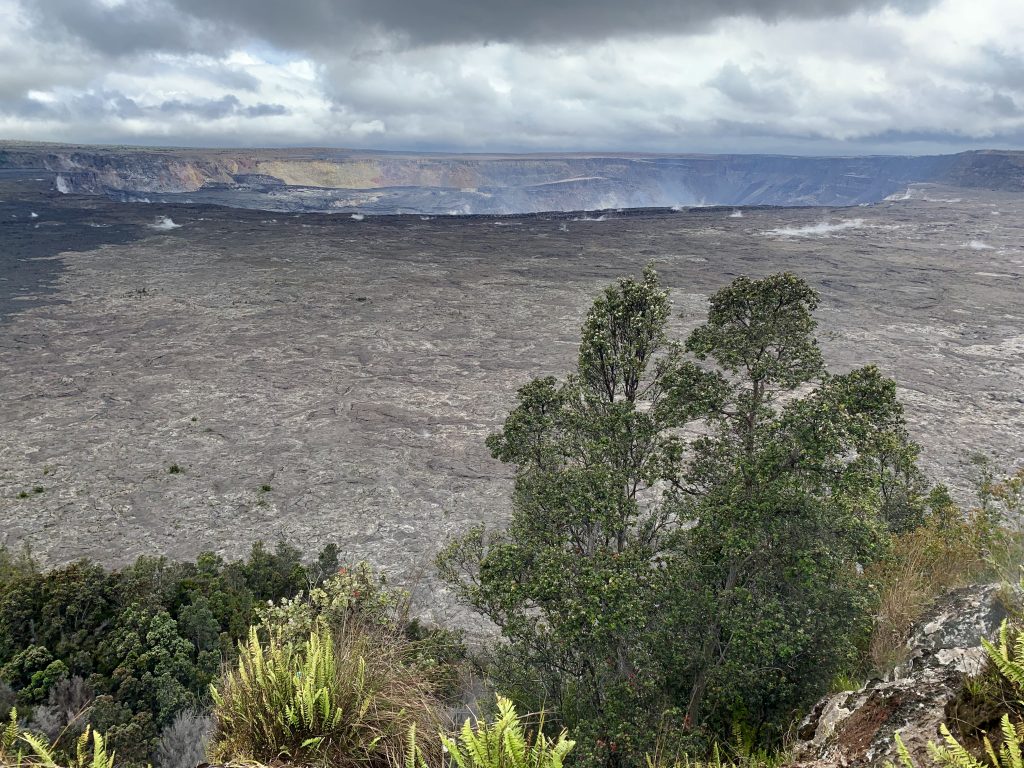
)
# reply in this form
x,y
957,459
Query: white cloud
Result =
x,y
875,81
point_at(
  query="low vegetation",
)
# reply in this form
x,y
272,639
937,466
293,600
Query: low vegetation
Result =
x,y
132,653
708,534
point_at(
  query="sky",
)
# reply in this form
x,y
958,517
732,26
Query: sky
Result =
x,y
781,76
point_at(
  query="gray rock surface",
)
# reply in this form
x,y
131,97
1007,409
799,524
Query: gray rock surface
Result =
x,y
357,366
855,729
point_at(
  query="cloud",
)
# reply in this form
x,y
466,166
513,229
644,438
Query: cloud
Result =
x,y
790,76
112,106
209,25
757,88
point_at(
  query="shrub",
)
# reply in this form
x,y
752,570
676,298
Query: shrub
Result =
x,y
68,703
8,698
183,743
344,699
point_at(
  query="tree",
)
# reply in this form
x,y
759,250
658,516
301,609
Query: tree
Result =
x,y
786,492
686,520
576,581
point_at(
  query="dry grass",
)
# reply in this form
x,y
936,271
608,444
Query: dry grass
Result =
x,y
948,551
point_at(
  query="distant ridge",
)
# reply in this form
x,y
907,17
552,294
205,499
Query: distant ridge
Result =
x,y
344,180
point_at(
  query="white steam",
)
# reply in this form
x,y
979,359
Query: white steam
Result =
x,y
164,223
822,229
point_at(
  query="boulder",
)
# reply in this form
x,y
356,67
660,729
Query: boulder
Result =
x,y
854,729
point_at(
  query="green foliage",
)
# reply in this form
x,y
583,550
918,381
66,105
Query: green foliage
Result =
x,y
23,749
952,754
90,752
282,703
687,522
9,735
149,639
349,594
504,743
718,759
332,699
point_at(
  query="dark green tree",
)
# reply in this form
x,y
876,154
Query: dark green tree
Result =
x,y
787,493
687,520
576,582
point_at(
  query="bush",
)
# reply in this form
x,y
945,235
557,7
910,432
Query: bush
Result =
x,y
149,638
349,698
66,707
183,743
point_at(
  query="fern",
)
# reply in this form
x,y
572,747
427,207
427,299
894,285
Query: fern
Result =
x,y
1008,661
9,736
90,750
327,700
504,743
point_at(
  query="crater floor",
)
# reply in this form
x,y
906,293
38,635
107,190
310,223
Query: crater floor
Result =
x,y
355,366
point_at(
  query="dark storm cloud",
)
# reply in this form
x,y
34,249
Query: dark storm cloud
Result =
x,y
212,25
133,27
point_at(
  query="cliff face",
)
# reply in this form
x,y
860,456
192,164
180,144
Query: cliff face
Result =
x,y
339,180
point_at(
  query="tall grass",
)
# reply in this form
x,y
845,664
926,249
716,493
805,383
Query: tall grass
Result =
x,y
949,550
338,700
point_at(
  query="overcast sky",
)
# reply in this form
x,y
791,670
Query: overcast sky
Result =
x,y
800,76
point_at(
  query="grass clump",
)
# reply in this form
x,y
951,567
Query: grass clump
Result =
x,y
339,698
952,548
174,469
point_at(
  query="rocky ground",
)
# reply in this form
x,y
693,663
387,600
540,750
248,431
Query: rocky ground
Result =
x,y
355,366
855,729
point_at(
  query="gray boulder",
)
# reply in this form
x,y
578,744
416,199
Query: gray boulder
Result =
x,y
855,729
